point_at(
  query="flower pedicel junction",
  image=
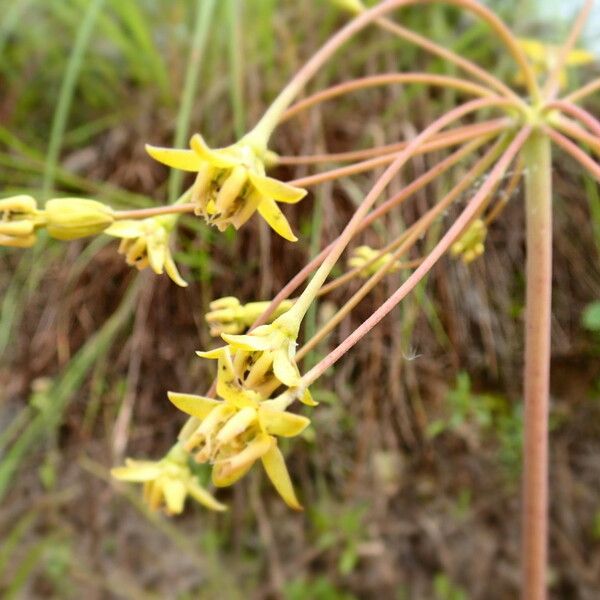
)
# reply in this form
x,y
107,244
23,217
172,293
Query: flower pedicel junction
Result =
x,y
259,375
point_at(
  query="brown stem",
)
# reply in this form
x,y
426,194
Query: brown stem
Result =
x,y
438,251
538,199
583,92
406,242
551,86
155,211
575,151
384,79
453,137
373,163
578,113
579,133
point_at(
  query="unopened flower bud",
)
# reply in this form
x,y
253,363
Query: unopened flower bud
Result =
x,y
19,218
228,315
72,218
471,244
353,6
362,255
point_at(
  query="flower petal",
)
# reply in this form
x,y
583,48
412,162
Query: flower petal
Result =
x,y
197,406
186,160
282,423
199,494
258,447
274,465
219,480
137,471
175,492
271,213
172,271
127,229
248,342
308,399
285,370
214,157
275,189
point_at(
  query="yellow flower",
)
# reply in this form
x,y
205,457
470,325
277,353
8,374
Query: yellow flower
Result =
x,y
19,218
354,6
145,243
545,56
363,254
231,184
470,245
73,218
167,482
228,315
265,357
240,429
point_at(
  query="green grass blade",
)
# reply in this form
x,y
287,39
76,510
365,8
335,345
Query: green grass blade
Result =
x,y
65,97
204,13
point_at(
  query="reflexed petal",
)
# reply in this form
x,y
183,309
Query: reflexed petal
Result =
x,y
285,370
197,406
137,471
249,341
214,157
186,160
211,354
175,492
157,253
274,465
276,190
225,481
172,272
252,452
128,228
199,494
308,399
271,213
282,423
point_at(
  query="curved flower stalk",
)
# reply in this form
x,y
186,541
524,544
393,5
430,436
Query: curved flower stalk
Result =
x,y
243,427
231,184
167,482
228,315
145,243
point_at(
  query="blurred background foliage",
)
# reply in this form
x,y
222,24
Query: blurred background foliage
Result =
x,y
410,473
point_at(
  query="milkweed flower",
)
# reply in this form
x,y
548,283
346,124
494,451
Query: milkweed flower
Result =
x,y
470,245
167,482
265,357
145,243
235,432
231,184
74,218
228,315
19,218
363,254
545,56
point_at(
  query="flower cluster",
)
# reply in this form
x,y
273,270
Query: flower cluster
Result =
x,y
470,245
367,260
145,243
228,315
167,482
231,184
241,428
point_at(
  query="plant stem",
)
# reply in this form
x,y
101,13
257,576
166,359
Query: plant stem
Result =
x,y
369,81
438,251
538,201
